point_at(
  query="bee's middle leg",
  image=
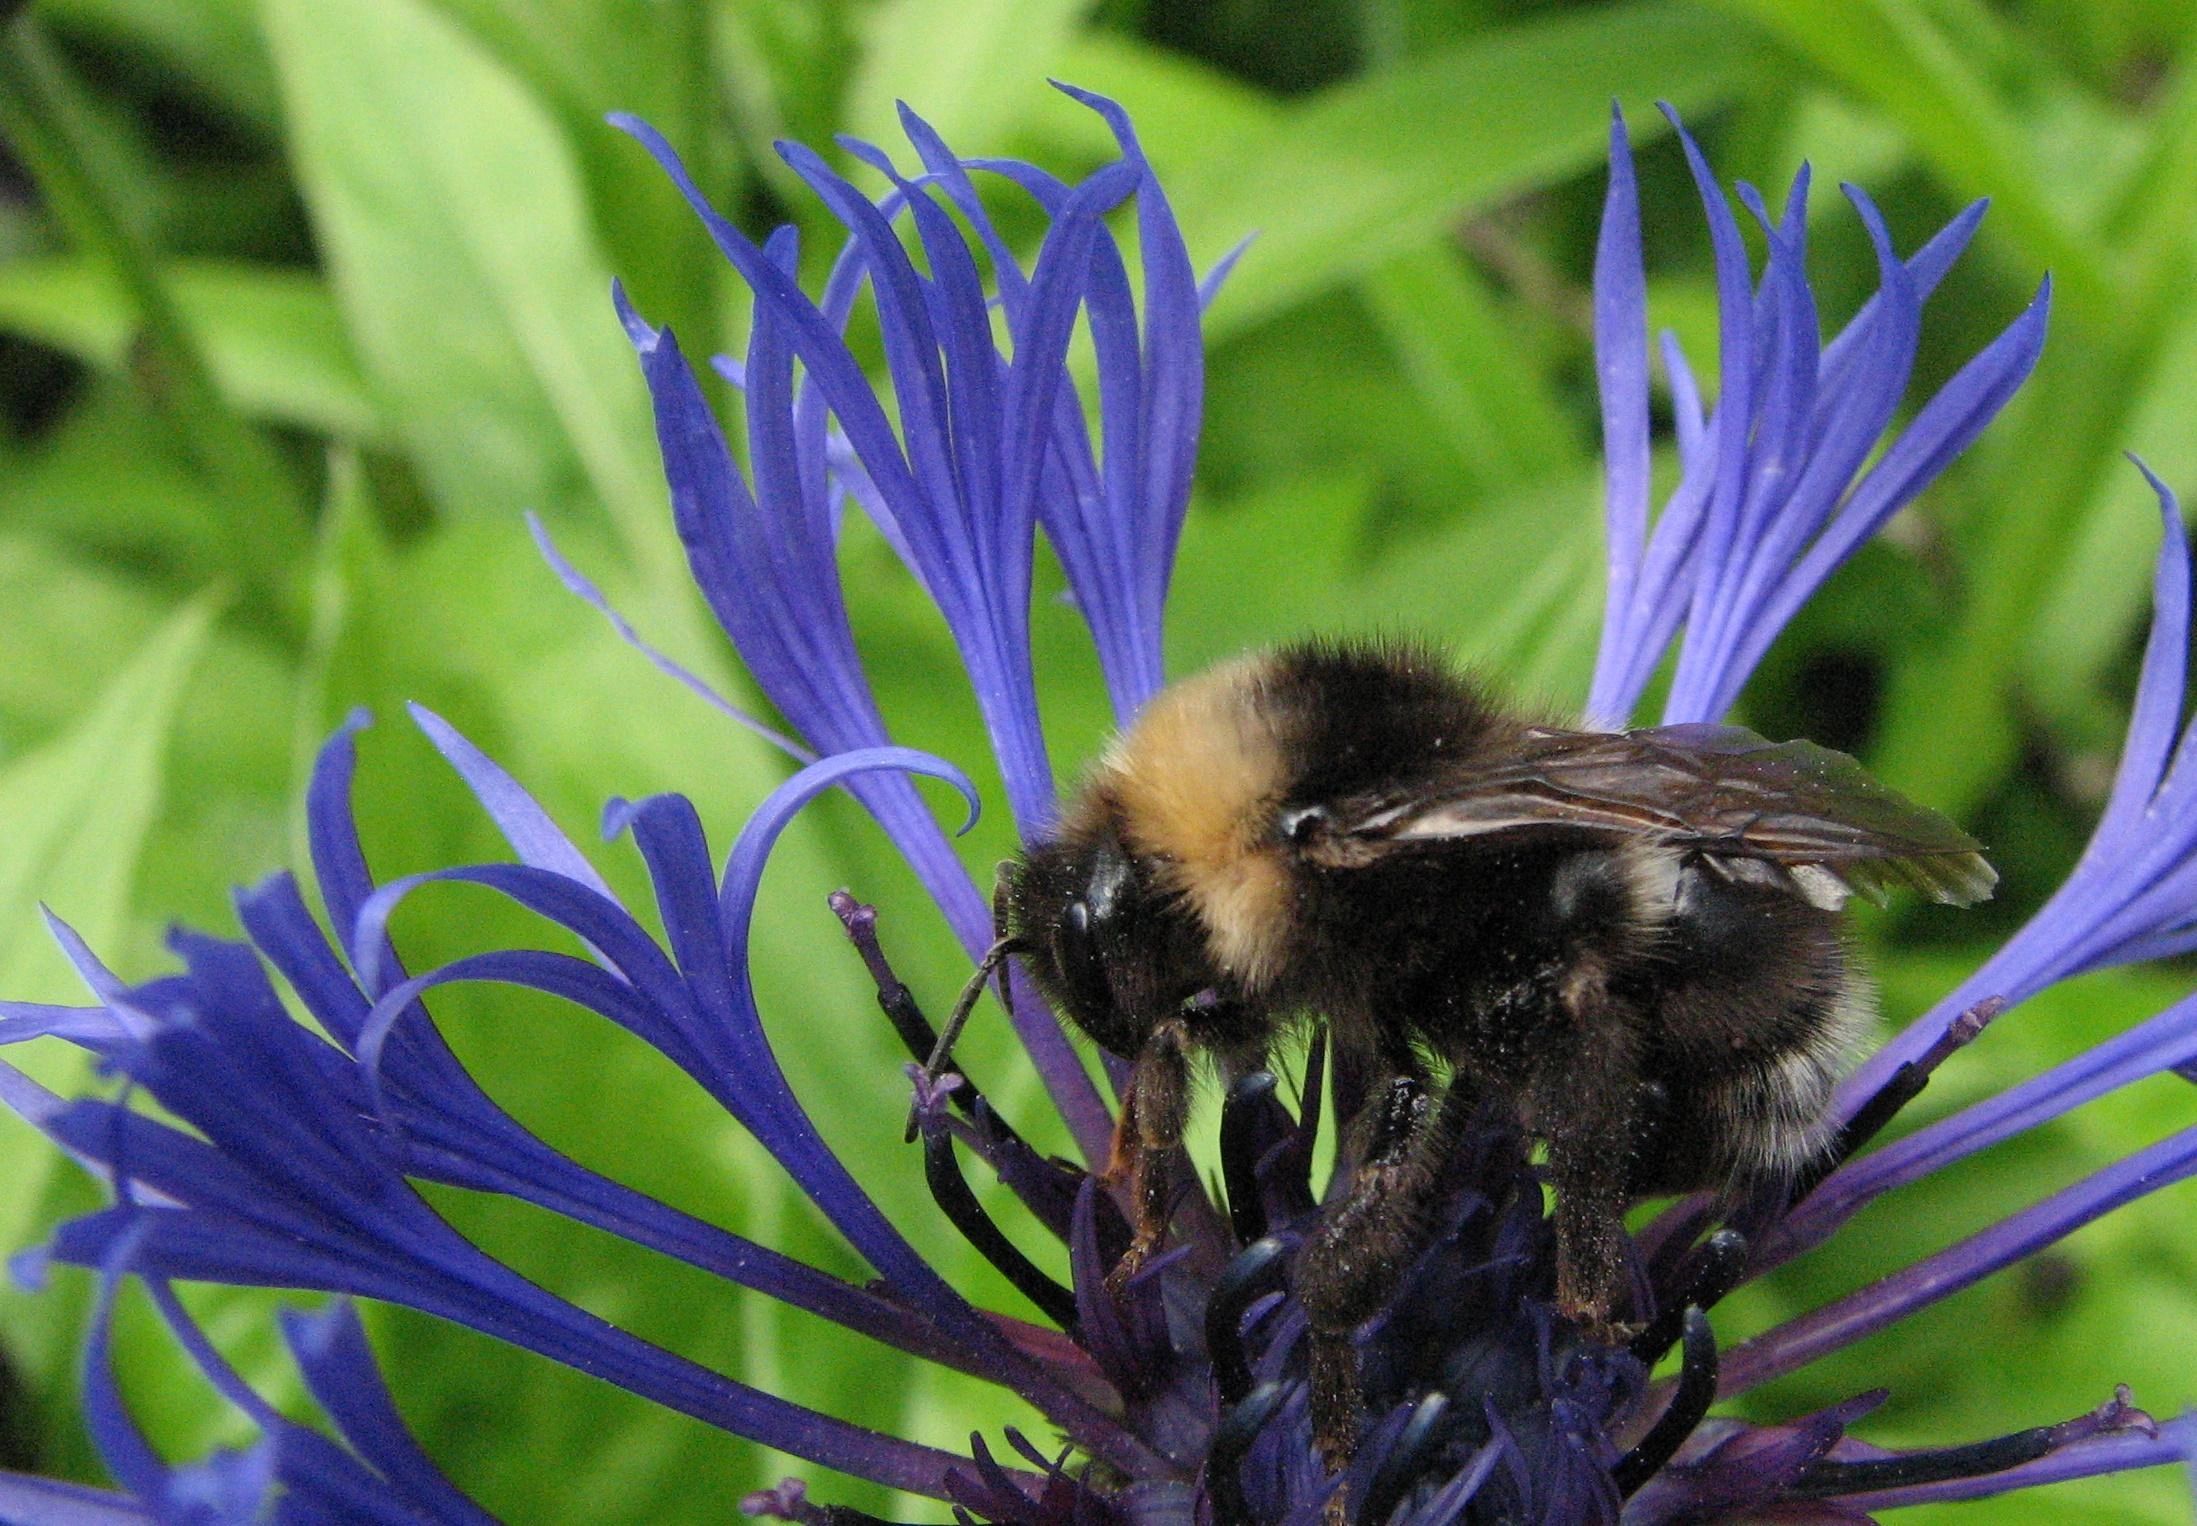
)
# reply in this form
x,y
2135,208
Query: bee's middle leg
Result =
x,y
1349,1269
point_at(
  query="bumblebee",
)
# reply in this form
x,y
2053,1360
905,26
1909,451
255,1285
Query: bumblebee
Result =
x,y
1635,938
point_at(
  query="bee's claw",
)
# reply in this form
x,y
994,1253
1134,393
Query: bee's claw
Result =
x,y
1132,1262
1598,1326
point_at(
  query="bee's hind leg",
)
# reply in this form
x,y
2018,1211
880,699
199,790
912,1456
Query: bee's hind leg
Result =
x,y
1587,1105
1350,1267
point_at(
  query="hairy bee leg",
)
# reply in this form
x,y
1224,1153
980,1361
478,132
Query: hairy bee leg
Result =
x,y
1350,1267
1332,1371
1152,1120
1587,1109
1590,1237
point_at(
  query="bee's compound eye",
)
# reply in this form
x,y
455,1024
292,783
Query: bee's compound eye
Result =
x,y
1082,968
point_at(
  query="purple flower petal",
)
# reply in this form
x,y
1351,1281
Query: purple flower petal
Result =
x,y
2119,1451
29,1501
2166,1042
1803,1340
91,1027
518,815
330,1348
697,1009
1947,425
367,1236
2129,894
956,488
121,1445
380,1476
1766,508
1737,344
2156,716
583,588
1851,421
1621,372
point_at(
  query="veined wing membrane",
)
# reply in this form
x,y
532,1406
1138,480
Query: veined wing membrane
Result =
x,y
1719,791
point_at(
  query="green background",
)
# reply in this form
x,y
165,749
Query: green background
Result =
x,y
304,302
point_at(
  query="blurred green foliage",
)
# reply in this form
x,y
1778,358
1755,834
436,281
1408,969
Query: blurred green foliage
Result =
x,y
303,302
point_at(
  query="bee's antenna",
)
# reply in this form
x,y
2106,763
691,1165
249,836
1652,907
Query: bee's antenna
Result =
x,y
1002,887
942,1051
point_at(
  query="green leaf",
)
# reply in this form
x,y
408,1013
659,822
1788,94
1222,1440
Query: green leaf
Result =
x,y
1181,104
2104,593
460,245
971,68
584,59
65,147
1515,588
1363,172
271,336
1474,374
74,811
1925,78
74,814
110,478
1321,523
213,44
71,626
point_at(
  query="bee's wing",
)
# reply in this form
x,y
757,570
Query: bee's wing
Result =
x,y
1718,791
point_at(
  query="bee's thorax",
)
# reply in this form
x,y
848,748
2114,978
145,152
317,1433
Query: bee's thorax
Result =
x,y
1194,785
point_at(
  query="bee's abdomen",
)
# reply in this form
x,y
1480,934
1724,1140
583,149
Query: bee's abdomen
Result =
x,y
1757,1010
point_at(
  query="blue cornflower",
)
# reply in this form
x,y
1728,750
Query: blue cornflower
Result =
x,y
1182,1398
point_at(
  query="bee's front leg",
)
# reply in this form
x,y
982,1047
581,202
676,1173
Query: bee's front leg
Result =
x,y
1349,1269
1153,1115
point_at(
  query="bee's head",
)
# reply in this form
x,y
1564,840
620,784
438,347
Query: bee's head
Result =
x,y
1109,946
